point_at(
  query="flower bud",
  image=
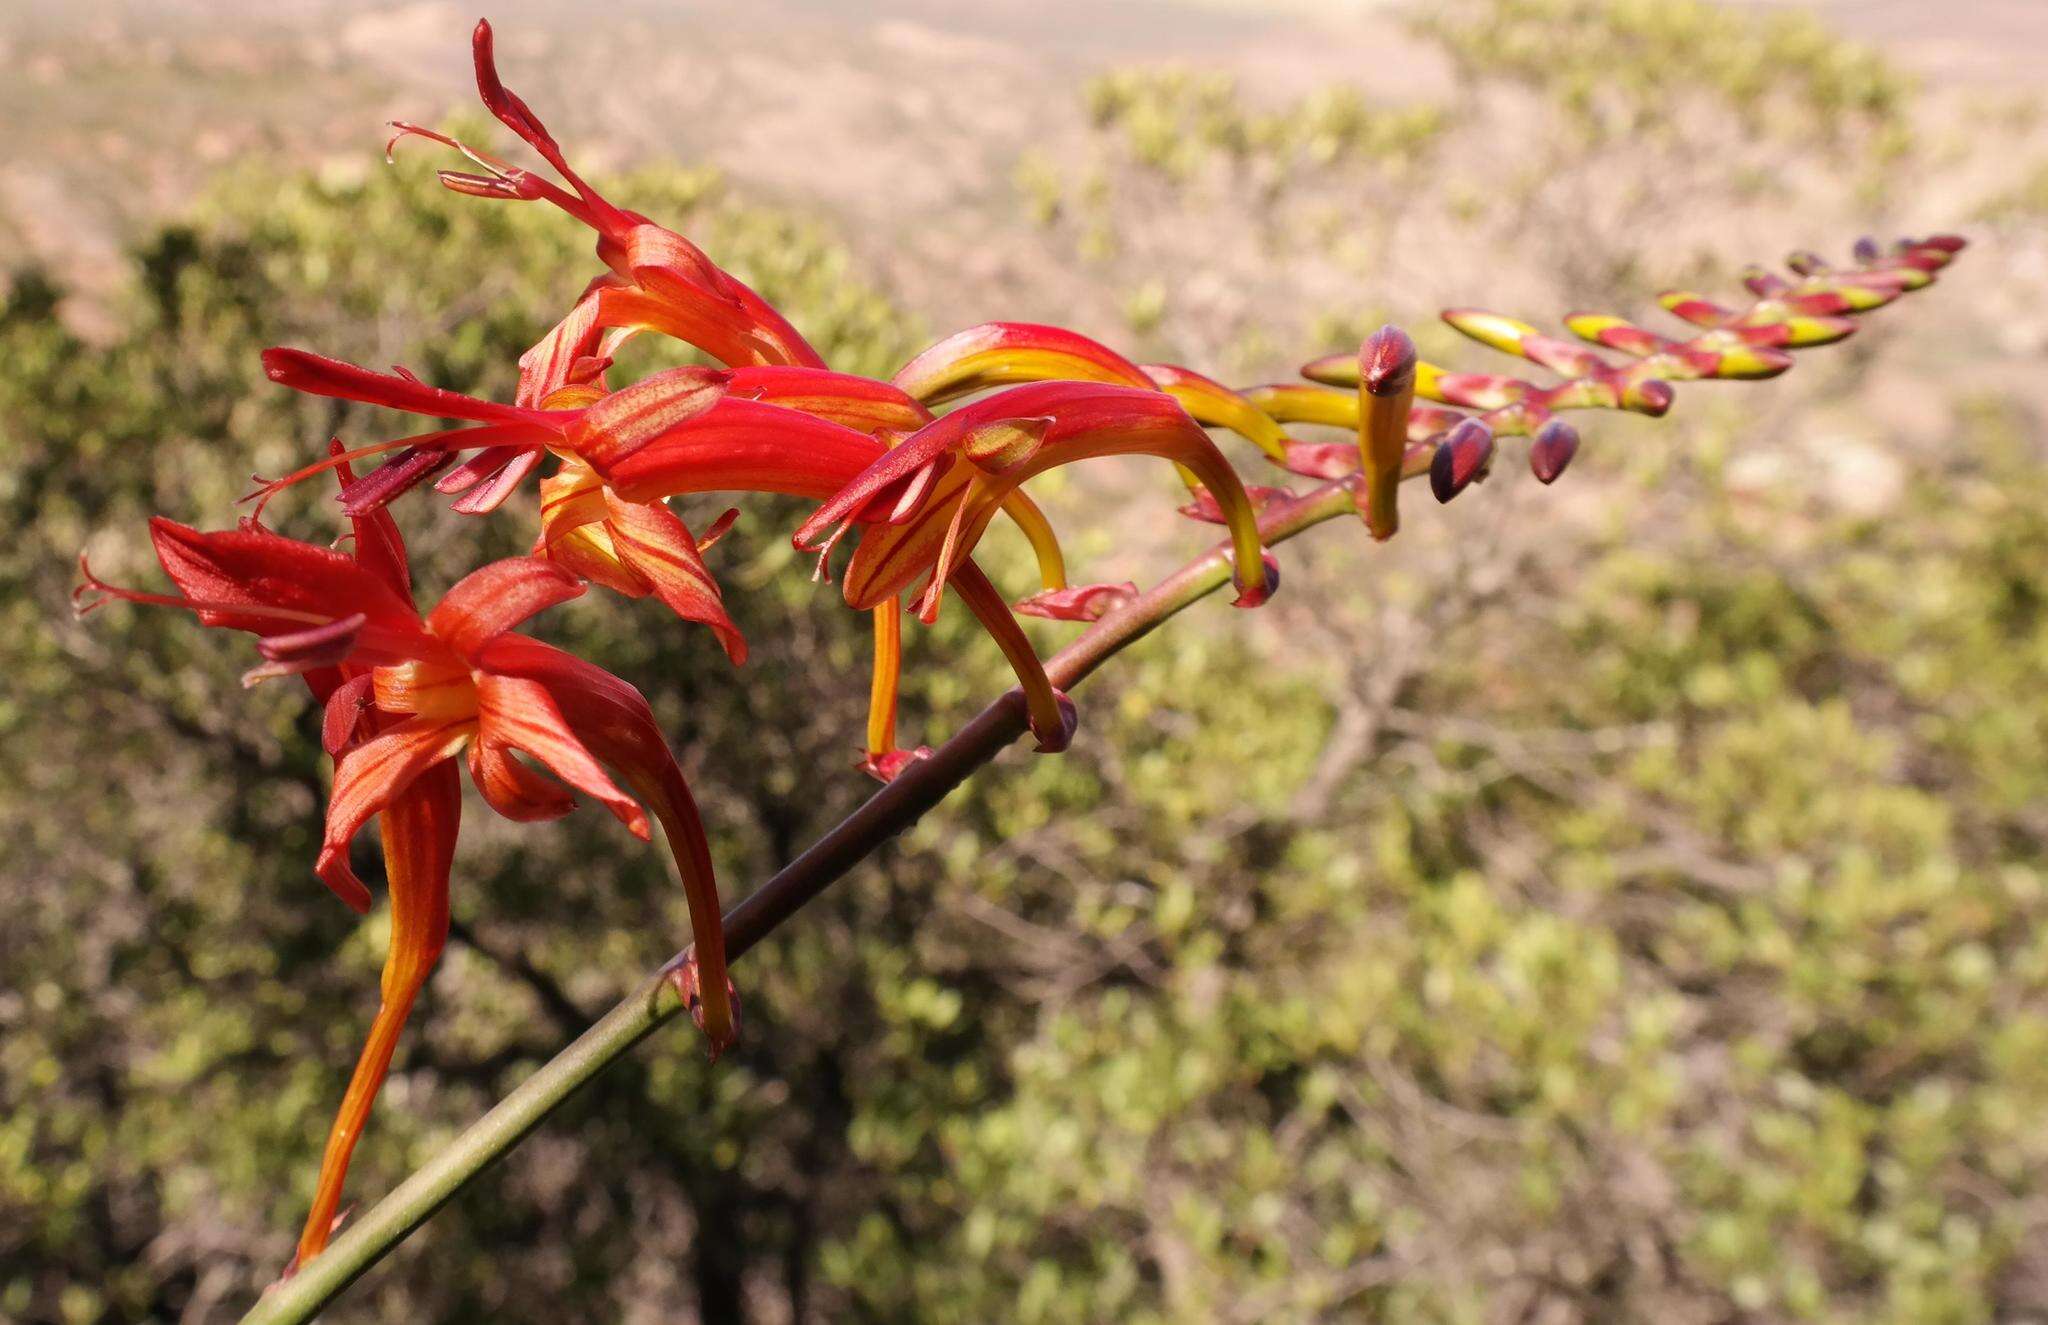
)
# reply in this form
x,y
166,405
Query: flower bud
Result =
x,y
1555,445
1460,458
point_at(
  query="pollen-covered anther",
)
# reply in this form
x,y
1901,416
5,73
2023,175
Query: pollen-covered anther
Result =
x,y
1079,602
1460,458
1555,445
1255,597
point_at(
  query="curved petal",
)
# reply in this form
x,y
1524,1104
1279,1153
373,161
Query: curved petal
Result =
x,y
626,420
367,779
1051,714
251,579
1211,403
654,542
1088,420
343,714
379,547
855,402
492,600
613,722
513,789
515,712
746,446
1001,353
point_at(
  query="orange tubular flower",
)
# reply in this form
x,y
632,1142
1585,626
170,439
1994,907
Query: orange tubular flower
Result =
x,y
404,695
979,455
659,280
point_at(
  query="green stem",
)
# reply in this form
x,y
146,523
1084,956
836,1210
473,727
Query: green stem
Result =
x,y
922,785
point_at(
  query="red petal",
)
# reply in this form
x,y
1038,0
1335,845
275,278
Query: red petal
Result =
x,y
520,713
513,789
612,721
1080,602
344,712
294,653
491,493
367,778
547,365
318,375
997,353
286,586
745,446
653,540
856,402
488,602
379,547
624,421
419,831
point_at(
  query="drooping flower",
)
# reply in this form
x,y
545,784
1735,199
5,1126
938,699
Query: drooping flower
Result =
x,y
404,695
983,452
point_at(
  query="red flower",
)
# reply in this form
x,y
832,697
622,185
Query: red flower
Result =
x,y
659,281
404,695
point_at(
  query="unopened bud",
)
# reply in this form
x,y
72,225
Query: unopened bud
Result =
x,y
1461,458
1386,362
1555,445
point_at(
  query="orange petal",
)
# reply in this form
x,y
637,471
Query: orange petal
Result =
x,y
520,713
654,542
492,600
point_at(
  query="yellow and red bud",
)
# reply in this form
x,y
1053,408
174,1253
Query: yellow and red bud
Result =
x,y
1387,369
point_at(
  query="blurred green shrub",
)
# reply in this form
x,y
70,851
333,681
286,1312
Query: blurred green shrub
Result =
x,y
1672,949
1625,67
1173,120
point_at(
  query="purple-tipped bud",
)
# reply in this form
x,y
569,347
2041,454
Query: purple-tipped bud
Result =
x,y
1806,262
1255,597
1460,458
1652,396
1386,362
1051,743
1555,445
1079,602
1867,251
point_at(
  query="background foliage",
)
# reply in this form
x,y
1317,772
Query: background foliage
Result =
x,y
1622,902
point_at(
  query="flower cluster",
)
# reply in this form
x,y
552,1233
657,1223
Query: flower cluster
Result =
x,y
915,487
